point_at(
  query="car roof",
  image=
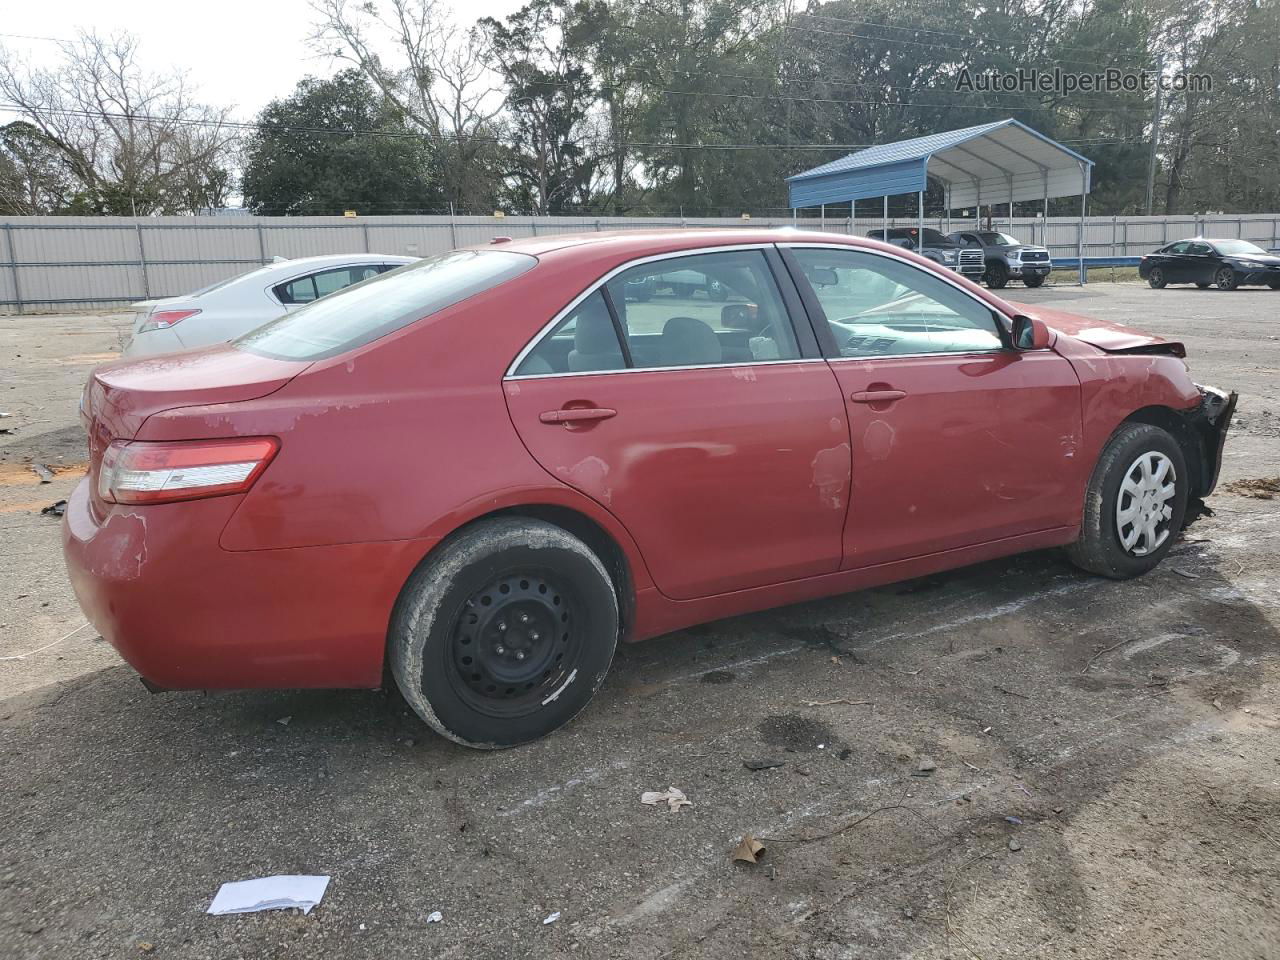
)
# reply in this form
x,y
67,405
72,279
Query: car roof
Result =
x,y
639,243
334,259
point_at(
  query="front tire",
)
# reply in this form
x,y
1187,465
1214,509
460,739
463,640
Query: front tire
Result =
x,y
1033,282
1226,279
1156,278
997,275
1135,504
505,634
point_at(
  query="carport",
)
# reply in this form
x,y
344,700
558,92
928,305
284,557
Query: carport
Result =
x,y
1001,162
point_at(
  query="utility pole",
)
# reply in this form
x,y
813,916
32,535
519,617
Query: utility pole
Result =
x,y
1155,135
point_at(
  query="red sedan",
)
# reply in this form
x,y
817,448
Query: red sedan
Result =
x,y
485,468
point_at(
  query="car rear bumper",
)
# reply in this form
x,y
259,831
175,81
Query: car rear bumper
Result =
x,y
187,614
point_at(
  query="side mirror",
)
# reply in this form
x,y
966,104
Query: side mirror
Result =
x,y
1030,333
739,316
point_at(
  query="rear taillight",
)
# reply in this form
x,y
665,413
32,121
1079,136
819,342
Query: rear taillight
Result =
x,y
135,471
164,319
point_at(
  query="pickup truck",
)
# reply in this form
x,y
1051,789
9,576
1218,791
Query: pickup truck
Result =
x,y
1006,258
935,247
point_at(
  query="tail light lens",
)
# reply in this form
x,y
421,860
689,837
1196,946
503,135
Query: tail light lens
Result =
x,y
164,319
136,471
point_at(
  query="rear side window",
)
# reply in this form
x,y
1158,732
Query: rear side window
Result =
x,y
386,302
705,309
316,285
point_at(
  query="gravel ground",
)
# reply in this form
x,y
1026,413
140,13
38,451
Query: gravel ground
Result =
x,y
1011,760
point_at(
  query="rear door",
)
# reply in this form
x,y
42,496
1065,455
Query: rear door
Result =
x,y
711,428
1176,264
1201,263
957,439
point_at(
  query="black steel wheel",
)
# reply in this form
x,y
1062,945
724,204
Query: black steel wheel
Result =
x,y
511,640
504,633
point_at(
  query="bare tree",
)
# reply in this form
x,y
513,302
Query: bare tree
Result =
x,y
133,142
435,71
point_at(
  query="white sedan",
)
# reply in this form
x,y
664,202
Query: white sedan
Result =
x,y
232,307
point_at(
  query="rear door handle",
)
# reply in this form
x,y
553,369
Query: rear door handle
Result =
x,y
877,396
577,414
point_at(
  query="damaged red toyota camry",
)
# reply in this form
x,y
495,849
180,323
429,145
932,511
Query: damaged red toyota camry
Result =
x,y
482,470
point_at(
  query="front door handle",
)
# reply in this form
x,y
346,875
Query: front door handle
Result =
x,y
577,414
877,396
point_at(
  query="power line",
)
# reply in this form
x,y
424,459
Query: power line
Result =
x,y
941,33
917,43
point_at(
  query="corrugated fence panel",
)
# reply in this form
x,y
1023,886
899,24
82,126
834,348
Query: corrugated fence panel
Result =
x,y
107,262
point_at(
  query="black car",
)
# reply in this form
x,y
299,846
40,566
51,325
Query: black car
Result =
x,y
1227,263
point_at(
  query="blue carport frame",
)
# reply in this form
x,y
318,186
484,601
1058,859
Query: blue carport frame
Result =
x,y
1004,161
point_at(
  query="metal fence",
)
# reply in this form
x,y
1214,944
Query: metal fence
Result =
x,y
62,263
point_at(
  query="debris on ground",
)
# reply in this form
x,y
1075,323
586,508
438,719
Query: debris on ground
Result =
x,y
1015,846
55,509
284,721
763,763
552,918
827,703
1016,821
1185,573
43,472
435,916
269,893
748,850
1264,488
925,767
672,797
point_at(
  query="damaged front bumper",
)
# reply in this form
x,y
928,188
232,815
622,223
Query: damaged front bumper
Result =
x,y
1211,420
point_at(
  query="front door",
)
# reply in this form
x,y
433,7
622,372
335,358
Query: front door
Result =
x,y
680,397
957,438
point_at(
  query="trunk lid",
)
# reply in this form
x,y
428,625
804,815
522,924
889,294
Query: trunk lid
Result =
x,y
121,395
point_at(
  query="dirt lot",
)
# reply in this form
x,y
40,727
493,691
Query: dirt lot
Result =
x,y
1105,757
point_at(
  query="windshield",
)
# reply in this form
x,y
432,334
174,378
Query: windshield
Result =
x,y
999,240
365,311
1237,247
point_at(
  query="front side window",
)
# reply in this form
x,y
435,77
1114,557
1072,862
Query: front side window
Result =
x,y
372,308
700,310
878,307
1180,247
1198,249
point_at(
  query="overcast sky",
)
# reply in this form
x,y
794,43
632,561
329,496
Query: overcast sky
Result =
x,y
241,52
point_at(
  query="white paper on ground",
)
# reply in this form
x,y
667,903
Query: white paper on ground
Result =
x,y
269,893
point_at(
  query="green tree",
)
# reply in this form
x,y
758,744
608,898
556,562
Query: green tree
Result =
x,y
336,145
552,162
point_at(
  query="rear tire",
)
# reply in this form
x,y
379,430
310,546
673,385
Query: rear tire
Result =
x,y
1226,279
1156,279
997,275
1131,517
505,634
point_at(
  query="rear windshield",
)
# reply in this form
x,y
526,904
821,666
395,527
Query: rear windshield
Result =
x,y
373,308
1234,248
